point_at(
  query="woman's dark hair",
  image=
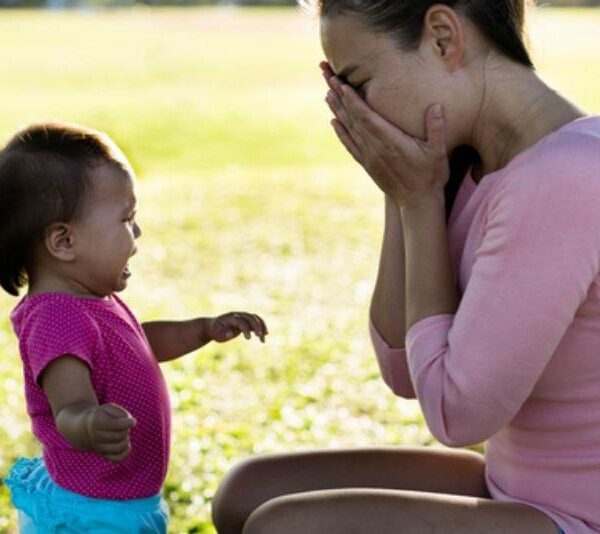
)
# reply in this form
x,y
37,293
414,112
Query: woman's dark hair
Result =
x,y
44,177
500,21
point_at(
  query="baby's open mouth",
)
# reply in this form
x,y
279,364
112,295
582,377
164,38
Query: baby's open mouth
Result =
x,y
126,271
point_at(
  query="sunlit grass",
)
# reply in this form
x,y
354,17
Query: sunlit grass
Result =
x,y
246,202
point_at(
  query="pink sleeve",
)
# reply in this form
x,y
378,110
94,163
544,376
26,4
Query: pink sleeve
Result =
x,y
58,327
540,254
393,365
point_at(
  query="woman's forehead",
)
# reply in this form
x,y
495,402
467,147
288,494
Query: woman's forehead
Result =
x,y
347,43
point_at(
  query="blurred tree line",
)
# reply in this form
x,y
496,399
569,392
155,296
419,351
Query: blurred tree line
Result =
x,y
115,3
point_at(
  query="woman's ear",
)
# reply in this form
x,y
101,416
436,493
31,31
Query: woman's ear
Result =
x,y
444,30
60,241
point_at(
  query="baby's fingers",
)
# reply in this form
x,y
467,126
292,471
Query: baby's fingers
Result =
x,y
119,456
249,322
264,329
113,448
114,451
237,320
258,326
111,436
110,417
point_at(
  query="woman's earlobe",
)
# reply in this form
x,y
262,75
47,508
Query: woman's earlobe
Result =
x,y
60,241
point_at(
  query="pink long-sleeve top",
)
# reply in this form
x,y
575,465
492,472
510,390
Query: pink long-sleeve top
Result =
x,y
518,364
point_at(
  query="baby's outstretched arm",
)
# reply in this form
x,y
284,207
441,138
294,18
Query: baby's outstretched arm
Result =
x,y
171,339
78,416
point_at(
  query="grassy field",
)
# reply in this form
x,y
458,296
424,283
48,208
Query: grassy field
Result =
x,y
246,202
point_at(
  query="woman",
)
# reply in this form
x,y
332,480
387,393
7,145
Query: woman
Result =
x,y
499,303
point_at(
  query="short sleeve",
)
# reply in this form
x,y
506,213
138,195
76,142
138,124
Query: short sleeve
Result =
x,y
55,328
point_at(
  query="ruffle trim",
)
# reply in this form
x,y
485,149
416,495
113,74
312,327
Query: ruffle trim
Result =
x,y
26,495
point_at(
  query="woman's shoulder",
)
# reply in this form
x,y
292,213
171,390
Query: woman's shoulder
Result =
x,y
556,182
574,146
564,162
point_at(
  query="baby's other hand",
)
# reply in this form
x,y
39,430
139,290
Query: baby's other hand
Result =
x,y
230,325
108,428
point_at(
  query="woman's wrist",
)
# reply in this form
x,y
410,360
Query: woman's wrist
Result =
x,y
423,203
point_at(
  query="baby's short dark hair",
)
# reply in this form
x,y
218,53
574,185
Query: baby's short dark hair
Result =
x,y
45,174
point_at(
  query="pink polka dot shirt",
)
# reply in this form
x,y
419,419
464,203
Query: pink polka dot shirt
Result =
x,y
108,338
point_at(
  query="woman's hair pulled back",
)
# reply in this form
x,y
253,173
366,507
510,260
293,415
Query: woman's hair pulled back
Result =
x,y
44,177
500,21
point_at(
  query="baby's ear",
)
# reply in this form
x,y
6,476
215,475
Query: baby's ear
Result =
x,y
60,241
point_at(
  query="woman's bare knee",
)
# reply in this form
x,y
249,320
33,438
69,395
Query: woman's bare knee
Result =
x,y
291,514
365,511
234,500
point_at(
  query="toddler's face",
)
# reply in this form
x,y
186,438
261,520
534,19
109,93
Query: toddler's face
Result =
x,y
107,232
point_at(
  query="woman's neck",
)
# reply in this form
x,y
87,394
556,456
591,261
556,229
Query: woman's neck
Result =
x,y
517,110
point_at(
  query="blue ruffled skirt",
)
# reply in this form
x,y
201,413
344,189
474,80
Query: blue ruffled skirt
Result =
x,y
46,508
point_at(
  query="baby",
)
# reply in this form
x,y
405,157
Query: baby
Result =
x,y
97,399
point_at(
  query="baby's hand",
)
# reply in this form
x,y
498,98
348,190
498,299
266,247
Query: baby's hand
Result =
x,y
108,431
230,325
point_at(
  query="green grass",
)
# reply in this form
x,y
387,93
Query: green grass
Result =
x,y
246,202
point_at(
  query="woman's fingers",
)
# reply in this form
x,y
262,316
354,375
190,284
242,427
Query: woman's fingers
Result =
x,y
369,123
337,105
436,131
346,140
357,144
347,106
338,109
327,72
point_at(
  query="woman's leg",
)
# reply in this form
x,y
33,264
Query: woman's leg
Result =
x,y
363,511
258,480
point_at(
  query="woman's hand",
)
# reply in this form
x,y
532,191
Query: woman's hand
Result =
x,y
407,169
230,325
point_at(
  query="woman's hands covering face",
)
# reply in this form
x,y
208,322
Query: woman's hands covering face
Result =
x,y
407,169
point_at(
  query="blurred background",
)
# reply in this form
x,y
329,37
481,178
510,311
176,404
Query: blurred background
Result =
x,y
247,202
126,3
